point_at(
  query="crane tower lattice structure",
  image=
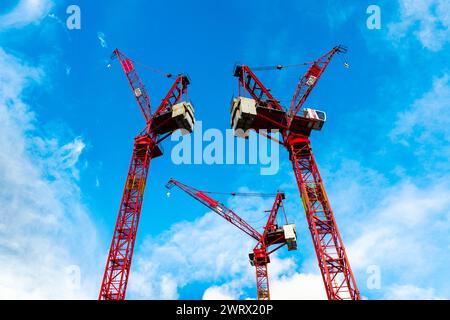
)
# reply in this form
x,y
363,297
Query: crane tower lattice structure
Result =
x,y
173,113
261,111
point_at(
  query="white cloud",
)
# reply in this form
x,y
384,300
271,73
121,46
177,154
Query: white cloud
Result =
x,y
428,20
426,121
26,12
338,13
64,157
394,235
44,229
298,286
207,249
218,293
410,292
401,227
284,284
227,291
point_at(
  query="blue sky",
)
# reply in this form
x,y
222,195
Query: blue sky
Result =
x,y
68,123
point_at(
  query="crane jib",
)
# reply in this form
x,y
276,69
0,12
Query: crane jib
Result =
x,y
210,201
127,65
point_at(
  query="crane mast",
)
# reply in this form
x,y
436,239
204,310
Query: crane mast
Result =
x,y
162,122
265,112
333,262
272,234
115,279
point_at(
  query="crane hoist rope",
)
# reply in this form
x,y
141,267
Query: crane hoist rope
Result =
x,y
167,75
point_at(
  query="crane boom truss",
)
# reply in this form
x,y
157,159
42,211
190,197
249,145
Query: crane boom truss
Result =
x,y
309,80
136,84
260,255
217,207
250,83
178,89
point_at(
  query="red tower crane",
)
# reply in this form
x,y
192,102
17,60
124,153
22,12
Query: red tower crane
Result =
x,y
263,112
173,113
273,235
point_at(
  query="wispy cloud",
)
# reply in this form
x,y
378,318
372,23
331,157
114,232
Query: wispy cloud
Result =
x,y
189,253
426,20
426,121
26,12
45,231
338,13
410,292
398,226
423,128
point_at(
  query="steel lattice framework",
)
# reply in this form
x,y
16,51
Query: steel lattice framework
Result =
x,y
117,270
333,262
294,129
269,238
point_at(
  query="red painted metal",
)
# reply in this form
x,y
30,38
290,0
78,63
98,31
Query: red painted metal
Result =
x,y
136,84
217,207
262,277
118,264
304,86
331,255
264,241
261,256
335,267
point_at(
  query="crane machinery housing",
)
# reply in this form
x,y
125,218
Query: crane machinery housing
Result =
x,y
261,111
174,112
273,237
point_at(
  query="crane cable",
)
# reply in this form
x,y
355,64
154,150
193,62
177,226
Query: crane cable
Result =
x,y
280,66
244,194
160,72
167,75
